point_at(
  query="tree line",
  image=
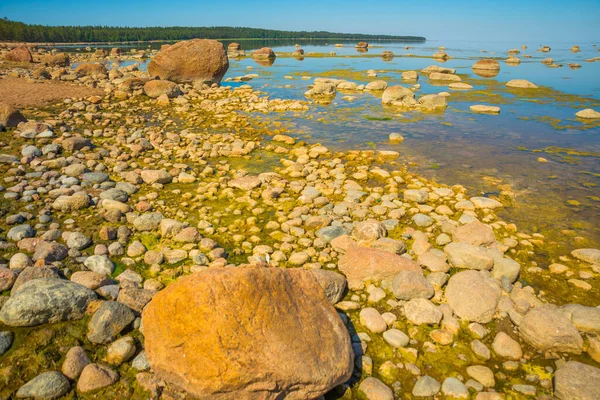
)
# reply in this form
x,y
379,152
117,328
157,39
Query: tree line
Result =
x,y
20,32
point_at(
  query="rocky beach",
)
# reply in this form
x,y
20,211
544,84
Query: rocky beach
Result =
x,y
166,233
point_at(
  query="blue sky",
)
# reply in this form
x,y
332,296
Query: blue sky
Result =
x,y
508,20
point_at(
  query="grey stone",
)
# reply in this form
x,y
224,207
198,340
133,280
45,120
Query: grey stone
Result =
x,y
409,285
100,264
45,300
19,232
46,386
108,322
333,283
6,341
426,386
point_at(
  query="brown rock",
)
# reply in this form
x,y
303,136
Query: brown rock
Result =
x,y
487,64
156,88
277,337
75,361
361,264
10,117
56,60
475,233
95,377
90,69
19,54
190,61
548,330
266,53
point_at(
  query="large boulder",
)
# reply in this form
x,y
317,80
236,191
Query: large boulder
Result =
x,y
548,329
10,117
251,333
361,264
433,102
575,380
46,300
19,54
193,60
473,295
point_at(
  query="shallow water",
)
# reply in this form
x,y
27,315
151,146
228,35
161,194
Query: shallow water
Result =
x,y
486,153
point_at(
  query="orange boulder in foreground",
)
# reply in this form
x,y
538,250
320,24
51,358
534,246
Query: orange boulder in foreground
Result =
x,y
248,333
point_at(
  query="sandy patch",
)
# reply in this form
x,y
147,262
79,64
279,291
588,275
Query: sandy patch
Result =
x,y
22,93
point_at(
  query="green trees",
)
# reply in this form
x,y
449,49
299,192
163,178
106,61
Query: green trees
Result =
x,y
20,32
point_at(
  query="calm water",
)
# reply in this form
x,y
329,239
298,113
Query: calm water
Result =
x,y
482,152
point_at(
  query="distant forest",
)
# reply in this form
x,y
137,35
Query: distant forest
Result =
x,y
20,32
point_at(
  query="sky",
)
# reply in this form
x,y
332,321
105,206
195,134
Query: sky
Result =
x,y
505,20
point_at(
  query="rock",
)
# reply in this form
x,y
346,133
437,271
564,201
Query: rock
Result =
x,y
47,385
475,233
426,386
411,285
398,95
454,389
547,329
374,389
591,256
464,255
134,298
56,60
265,53
90,69
433,102
487,64
10,117
76,360
50,251
108,322
485,203
75,143
156,88
585,319
6,341
362,45
575,380
333,284
372,320
410,76
95,377
441,76
521,84
483,109
422,311
365,264
418,196
42,301
322,89
588,113
396,338
507,347
151,176
147,222
246,183
120,351
71,203
473,295
77,240
269,353
196,60
100,264
19,232
376,85
369,231
19,54
482,374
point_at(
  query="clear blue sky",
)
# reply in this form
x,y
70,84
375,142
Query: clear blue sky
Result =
x,y
503,20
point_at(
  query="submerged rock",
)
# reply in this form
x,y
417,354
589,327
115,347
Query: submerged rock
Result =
x,y
521,84
195,327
